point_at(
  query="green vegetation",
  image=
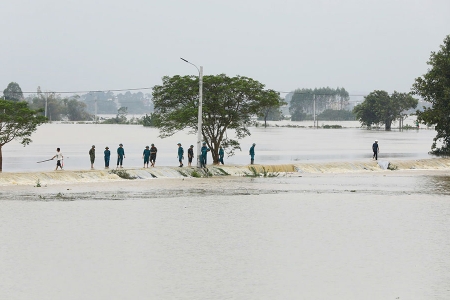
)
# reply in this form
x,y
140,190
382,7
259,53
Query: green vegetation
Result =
x,y
434,87
336,115
302,101
196,174
13,92
270,107
380,108
17,122
182,173
38,183
122,174
223,171
228,104
149,120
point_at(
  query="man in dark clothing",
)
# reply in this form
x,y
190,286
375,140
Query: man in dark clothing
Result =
x,y
375,149
252,153
92,156
120,155
107,157
221,154
153,151
190,154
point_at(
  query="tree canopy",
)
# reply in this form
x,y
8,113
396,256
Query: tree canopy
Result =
x,y
434,87
381,108
17,121
13,92
228,103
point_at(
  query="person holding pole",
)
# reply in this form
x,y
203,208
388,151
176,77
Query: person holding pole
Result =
x,y
59,158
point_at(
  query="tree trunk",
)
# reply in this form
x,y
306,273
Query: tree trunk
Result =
x,y
387,125
1,159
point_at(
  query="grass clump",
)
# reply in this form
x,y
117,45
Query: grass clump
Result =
x,y
38,183
196,174
122,174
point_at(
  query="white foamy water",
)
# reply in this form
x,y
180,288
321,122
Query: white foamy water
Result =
x,y
274,145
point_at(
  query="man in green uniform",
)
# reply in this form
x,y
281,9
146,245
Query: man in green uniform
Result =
x,y
120,155
146,155
221,154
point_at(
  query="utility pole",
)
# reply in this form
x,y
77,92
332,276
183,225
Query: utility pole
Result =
x,y
314,110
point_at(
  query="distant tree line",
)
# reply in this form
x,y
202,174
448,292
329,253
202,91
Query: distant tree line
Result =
x,y
326,98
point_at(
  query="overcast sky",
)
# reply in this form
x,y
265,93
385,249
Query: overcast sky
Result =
x,y
82,45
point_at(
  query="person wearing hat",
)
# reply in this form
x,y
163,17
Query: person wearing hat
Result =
x,y
190,154
153,151
221,154
146,155
375,149
180,154
107,154
204,151
92,156
252,153
120,155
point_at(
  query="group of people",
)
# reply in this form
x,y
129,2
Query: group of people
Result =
x,y
203,155
107,156
149,155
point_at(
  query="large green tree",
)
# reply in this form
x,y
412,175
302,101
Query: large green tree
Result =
x,y
434,87
17,121
228,104
13,92
270,107
381,108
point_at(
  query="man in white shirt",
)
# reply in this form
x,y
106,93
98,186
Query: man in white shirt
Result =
x,y
59,157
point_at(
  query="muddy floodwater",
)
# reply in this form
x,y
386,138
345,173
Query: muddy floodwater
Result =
x,y
344,235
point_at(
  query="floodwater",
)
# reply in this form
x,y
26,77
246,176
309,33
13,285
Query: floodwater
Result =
x,y
274,145
374,235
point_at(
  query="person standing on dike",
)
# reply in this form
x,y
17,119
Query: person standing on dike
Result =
x,y
221,154
375,149
120,155
146,155
180,154
252,153
204,151
92,156
59,157
107,154
153,151
190,155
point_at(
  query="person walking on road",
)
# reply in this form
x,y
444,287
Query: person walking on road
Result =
x,y
153,151
92,156
59,158
252,153
120,155
107,154
375,149
180,154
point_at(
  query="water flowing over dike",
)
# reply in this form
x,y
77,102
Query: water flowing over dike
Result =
x,y
58,177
